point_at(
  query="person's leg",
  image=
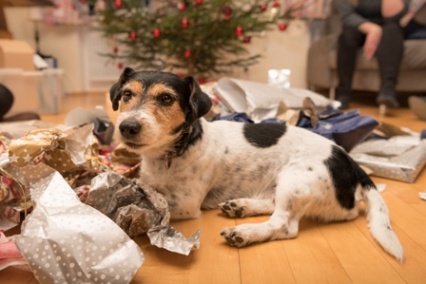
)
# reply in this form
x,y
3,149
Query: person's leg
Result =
x,y
389,56
6,101
349,42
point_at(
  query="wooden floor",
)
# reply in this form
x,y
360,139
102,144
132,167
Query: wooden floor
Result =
x,y
322,253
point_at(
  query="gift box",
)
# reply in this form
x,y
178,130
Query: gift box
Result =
x,y
400,158
34,91
16,54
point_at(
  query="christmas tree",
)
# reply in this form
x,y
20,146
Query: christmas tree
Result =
x,y
197,37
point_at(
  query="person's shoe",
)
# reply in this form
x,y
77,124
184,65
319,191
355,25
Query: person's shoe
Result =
x,y
344,101
418,106
388,100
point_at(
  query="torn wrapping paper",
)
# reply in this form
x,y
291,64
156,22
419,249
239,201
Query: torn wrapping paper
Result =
x,y
73,152
10,255
14,197
66,241
261,101
400,158
164,236
138,209
66,151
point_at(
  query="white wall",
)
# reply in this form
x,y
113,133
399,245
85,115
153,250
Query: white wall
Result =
x,y
74,48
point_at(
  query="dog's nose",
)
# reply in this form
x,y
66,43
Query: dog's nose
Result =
x,y
130,128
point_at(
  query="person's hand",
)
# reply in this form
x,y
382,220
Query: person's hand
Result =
x,y
373,36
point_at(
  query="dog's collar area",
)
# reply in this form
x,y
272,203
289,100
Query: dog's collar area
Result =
x,y
180,146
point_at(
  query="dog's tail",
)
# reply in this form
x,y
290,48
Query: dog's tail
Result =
x,y
379,223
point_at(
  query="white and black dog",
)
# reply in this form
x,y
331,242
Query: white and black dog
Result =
x,y
244,169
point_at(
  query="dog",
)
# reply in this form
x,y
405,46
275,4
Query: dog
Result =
x,y
243,169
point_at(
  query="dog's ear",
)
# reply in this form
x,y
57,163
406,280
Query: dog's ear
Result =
x,y
199,102
115,95
114,92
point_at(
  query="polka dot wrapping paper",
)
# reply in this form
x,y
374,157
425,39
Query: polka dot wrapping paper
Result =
x,y
67,241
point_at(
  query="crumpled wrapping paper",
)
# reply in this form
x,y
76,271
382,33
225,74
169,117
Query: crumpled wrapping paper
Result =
x,y
400,157
66,241
74,152
262,101
66,151
138,209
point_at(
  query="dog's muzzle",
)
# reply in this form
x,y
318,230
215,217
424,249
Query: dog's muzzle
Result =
x,y
130,128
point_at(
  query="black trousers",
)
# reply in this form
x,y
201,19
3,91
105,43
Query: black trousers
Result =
x,y
6,100
389,55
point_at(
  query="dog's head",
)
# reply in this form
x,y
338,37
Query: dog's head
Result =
x,y
156,108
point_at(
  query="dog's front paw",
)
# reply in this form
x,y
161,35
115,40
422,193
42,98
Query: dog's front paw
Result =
x,y
233,237
231,208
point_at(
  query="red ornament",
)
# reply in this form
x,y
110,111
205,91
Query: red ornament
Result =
x,y
276,4
202,80
227,11
120,65
282,26
247,39
115,49
118,4
187,53
132,36
198,2
184,23
181,6
239,31
263,6
156,32
83,1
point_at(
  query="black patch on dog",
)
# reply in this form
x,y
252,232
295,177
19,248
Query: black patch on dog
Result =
x,y
264,135
346,176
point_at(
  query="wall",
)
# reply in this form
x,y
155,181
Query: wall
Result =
x,y
75,49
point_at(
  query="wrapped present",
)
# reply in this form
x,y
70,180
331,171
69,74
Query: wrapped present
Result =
x,y
400,157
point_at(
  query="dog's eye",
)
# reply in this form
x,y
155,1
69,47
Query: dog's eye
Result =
x,y
166,99
127,95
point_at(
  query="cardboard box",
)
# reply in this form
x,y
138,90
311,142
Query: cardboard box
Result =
x,y
16,54
24,87
34,91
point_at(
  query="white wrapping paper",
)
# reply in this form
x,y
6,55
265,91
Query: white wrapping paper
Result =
x,y
66,241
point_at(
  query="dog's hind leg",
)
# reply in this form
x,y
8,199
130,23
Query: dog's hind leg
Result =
x,y
244,207
294,194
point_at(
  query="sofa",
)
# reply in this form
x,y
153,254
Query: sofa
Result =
x,y
322,57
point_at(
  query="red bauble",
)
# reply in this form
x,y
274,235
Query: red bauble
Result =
x,y
115,49
120,65
227,11
181,6
276,4
239,31
156,32
132,36
282,26
263,6
83,1
202,80
187,53
118,4
198,2
247,39
184,23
